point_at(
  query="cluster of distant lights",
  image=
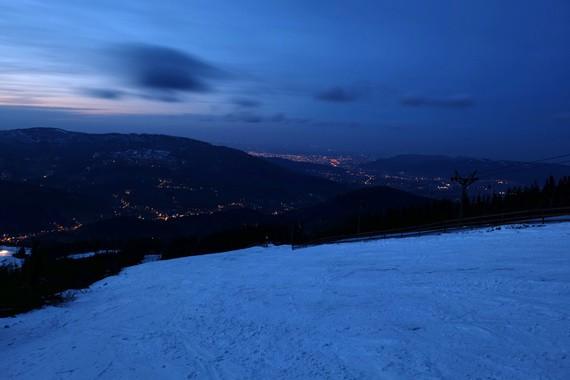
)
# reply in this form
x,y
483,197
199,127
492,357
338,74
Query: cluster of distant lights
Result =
x,y
309,158
162,215
9,239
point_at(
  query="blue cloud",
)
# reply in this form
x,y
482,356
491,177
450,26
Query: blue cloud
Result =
x,y
453,101
338,95
163,73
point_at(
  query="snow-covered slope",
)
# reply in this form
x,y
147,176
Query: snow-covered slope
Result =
x,y
482,304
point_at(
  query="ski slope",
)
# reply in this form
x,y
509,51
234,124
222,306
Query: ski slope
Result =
x,y
473,305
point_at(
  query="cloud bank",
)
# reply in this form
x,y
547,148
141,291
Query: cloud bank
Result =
x,y
452,101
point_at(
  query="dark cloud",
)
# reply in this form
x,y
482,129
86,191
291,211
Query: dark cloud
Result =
x,y
278,118
338,95
103,93
163,73
112,94
250,117
453,101
246,103
161,97
244,117
563,117
337,124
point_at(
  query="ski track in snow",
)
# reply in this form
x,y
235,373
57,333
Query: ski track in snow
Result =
x,y
472,305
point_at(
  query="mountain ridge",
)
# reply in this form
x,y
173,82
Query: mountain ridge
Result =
x,y
154,176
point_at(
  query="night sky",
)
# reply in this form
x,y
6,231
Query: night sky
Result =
x,y
486,78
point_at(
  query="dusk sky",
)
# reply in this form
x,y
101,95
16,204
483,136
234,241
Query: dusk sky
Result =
x,y
483,78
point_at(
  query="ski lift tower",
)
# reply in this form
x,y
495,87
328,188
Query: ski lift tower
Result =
x,y
465,182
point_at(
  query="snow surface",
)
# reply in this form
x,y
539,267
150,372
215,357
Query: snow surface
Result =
x,y
7,259
86,255
473,305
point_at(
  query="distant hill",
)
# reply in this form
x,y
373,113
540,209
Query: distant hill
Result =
x,y
154,175
333,214
128,228
371,202
318,170
30,208
443,167
430,175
